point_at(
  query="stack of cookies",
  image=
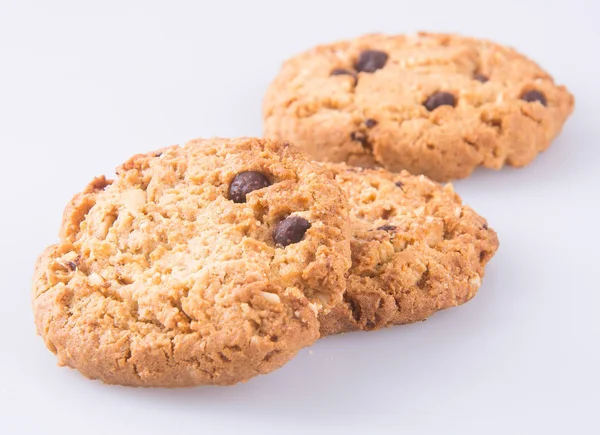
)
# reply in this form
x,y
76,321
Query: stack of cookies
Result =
x,y
217,261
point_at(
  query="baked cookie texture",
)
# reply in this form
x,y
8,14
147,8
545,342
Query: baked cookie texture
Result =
x,y
433,104
183,272
416,249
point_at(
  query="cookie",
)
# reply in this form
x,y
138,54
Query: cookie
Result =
x,y
433,104
416,249
202,264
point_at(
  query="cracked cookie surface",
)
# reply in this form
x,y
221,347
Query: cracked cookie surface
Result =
x,y
202,264
433,104
416,249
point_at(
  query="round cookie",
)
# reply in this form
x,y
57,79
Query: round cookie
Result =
x,y
433,104
203,264
416,249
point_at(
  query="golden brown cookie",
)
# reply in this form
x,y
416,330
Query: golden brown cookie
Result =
x,y
416,249
433,104
203,264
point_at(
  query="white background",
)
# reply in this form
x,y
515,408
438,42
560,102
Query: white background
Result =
x,y
84,85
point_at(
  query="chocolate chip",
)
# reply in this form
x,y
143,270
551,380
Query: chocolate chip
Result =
x,y
485,226
290,230
246,182
387,228
345,72
480,78
358,136
399,184
423,280
533,95
72,265
370,61
370,123
439,99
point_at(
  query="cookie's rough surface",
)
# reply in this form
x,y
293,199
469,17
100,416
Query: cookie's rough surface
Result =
x,y
161,279
432,104
416,249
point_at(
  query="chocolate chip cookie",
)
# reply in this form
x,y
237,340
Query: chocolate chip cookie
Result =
x,y
202,264
416,249
433,104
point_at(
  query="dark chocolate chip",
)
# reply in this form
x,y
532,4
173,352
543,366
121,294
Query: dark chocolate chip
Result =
x,y
485,226
246,182
72,265
399,184
439,99
345,72
290,230
370,123
370,61
360,137
533,95
387,228
480,78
